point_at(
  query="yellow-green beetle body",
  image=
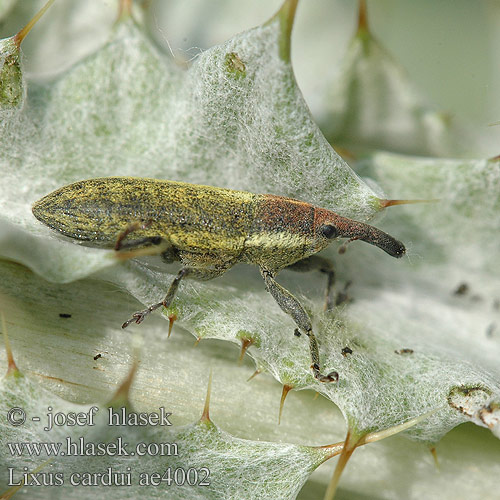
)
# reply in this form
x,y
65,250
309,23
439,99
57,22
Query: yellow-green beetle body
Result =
x,y
226,225
207,229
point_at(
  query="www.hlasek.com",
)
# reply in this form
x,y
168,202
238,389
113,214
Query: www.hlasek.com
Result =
x,y
81,446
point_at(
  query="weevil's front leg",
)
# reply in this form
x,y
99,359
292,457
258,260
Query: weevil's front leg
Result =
x,y
133,226
139,316
317,263
141,246
292,306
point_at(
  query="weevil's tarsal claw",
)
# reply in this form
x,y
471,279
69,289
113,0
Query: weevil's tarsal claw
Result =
x,y
138,317
331,377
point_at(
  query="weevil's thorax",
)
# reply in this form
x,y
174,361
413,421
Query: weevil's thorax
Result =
x,y
281,233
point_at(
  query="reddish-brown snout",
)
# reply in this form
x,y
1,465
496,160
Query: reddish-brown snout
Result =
x,y
360,231
354,230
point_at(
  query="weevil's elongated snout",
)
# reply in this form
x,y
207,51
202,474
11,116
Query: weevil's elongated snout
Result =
x,y
361,231
342,227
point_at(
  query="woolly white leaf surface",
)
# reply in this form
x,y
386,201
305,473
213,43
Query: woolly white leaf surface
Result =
x,y
12,88
220,116
59,353
63,32
127,110
232,468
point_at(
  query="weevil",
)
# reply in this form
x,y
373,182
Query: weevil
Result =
x,y
209,230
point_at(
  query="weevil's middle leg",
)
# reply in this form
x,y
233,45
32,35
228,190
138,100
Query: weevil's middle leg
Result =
x,y
317,263
139,316
292,306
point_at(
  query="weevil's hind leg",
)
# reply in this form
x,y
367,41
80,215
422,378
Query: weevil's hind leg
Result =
x,y
292,306
317,263
139,316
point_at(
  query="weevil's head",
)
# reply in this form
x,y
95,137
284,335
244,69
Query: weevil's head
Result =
x,y
328,225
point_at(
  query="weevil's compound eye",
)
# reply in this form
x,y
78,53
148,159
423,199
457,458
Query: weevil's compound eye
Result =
x,y
328,231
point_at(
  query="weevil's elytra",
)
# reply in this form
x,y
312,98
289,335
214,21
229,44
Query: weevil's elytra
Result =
x,y
208,229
